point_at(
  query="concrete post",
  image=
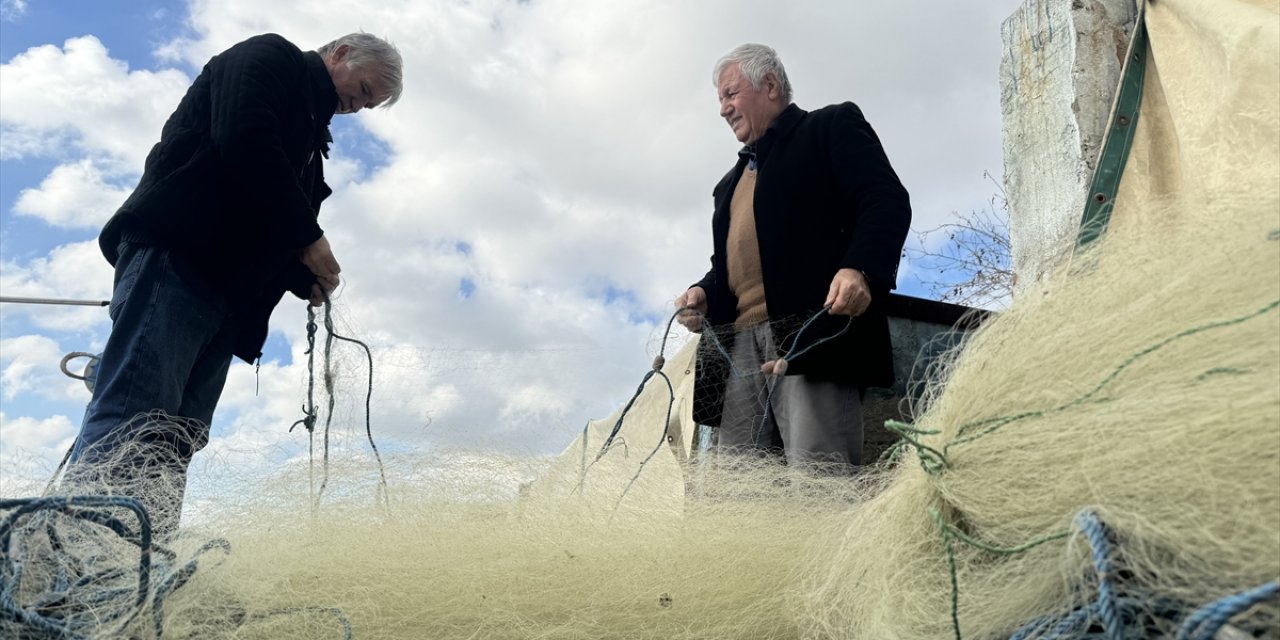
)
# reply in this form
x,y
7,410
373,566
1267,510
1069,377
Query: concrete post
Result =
x,y
1058,74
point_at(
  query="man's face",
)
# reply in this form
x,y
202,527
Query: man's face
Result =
x,y
749,111
358,88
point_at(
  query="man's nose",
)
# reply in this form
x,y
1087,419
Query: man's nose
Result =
x,y
726,108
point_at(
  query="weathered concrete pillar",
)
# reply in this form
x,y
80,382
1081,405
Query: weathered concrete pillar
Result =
x,y
1058,75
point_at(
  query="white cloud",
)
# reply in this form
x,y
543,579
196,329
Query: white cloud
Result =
x,y
25,365
72,195
570,147
74,271
30,450
79,92
535,404
56,432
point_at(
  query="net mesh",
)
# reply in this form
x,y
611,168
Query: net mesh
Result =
x,y
1102,460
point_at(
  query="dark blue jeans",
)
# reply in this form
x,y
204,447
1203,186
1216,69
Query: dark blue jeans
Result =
x,y
159,381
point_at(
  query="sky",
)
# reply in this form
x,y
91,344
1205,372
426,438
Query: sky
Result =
x,y
513,233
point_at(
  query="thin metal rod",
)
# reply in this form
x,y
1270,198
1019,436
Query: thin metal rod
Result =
x,y
77,303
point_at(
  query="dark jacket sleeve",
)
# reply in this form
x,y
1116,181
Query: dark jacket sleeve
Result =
x,y
249,91
708,281
884,217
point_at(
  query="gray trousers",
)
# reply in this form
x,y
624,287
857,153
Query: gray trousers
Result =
x,y
809,421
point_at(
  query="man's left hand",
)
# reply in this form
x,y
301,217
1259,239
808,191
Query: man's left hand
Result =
x,y
850,294
318,295
318,257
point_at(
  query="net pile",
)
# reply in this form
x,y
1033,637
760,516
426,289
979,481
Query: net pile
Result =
x,y
1130,393
1102,460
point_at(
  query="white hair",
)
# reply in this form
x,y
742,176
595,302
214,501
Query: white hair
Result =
x,y
754,61
365,50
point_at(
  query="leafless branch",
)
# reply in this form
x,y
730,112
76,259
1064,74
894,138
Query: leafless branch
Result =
x,y
974,266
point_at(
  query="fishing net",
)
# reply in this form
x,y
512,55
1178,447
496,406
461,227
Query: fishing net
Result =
x,y
1102,460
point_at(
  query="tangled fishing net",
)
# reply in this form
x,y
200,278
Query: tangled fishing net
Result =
x,y
1101,461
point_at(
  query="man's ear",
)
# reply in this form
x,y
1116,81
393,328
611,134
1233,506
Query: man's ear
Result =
x,y
340,52
772,87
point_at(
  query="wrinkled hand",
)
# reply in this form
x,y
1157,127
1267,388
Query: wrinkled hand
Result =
x,y
850,293
696,300
317,296
318,257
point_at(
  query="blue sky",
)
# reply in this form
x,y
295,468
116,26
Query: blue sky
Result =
x,y
135,27
513,233
132,30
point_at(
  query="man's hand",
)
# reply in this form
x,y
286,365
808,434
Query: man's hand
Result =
x,y
317,296
318,257
850,294
696,300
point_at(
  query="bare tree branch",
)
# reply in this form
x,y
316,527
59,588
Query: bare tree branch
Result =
x,y
974,266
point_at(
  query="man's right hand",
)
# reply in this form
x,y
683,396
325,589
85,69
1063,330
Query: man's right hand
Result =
x,y
318,257
695,299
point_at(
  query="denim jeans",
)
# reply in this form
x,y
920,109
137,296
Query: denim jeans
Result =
x,y
158,383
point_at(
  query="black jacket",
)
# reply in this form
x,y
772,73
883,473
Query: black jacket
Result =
x,y
235,183
826,198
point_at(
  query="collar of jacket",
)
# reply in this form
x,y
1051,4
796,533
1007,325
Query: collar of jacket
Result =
x,y
785,121
324,97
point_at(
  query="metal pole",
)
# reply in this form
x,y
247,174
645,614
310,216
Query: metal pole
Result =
x,y
77,303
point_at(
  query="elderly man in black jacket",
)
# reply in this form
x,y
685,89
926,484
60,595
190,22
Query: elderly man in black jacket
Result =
x,y
221,225
812,216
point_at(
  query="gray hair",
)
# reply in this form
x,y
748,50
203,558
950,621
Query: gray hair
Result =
x,y
754,61
368,50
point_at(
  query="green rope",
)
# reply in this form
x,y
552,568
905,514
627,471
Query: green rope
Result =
x,y
1217,371
996,425
1189,332
950,531
1001,422
931,460
934,462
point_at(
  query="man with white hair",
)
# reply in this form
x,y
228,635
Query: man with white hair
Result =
x,y
811,217
222,223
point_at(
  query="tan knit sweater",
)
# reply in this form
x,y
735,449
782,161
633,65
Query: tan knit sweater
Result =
x,y
742,252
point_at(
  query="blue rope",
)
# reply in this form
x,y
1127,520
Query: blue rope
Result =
x,y
1077,624
1096,532
1121,616
1206,621
179,578
89,606
1108,607
63,594
68,505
